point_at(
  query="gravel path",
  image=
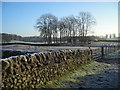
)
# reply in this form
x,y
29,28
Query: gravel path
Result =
x,y
94,75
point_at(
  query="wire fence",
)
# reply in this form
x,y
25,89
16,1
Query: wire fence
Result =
x,y
99,49
102,51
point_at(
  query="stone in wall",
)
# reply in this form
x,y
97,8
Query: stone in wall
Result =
x,y
33,70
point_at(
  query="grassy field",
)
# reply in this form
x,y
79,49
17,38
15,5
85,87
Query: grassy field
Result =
x,y
59,81
96,74
91,75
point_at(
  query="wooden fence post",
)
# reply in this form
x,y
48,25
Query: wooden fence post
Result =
x,y
109,49
114,49
102,51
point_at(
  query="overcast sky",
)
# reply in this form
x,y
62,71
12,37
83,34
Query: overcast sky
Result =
x,y
20,17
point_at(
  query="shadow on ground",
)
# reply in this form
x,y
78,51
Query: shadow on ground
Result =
x,y
108,79
112,58
109,61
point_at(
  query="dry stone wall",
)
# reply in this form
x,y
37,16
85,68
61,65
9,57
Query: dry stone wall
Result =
x,y
33,70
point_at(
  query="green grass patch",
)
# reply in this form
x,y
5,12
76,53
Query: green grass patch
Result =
x,y
82,70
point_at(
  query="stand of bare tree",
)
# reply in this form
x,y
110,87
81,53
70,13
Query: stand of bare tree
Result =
x,y
66,28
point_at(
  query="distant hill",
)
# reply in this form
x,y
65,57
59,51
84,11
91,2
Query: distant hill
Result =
x,y
5,37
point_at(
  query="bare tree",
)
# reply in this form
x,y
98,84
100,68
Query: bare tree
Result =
x,y
110,35
64,28
61,28
47,26
67,27
85,21
54,33
106,36
114,35
73,26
